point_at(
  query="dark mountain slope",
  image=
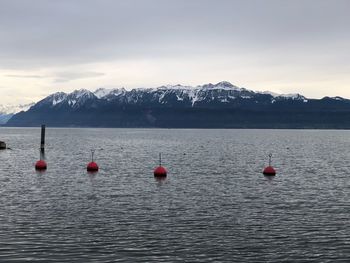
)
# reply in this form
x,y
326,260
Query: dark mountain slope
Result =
x,y
220,105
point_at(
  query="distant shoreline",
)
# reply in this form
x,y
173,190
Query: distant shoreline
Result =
x,y
171,128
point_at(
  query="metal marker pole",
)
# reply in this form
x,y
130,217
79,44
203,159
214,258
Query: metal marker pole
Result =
x,y
42,141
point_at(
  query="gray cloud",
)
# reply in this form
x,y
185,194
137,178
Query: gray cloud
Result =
x,y
262,43
59,76
25,76
46,33
68,76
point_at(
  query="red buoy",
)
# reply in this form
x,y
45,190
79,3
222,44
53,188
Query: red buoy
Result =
x,y
160,171
40,165
269,170
92,166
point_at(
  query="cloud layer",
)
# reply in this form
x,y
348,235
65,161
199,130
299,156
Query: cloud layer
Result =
x,y
287,46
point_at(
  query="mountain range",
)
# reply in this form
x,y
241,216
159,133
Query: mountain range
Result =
x,y
220,105
7,111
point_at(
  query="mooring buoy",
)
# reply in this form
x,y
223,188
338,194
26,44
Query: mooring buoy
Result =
x,y
92,166
160,171
269,170
40,165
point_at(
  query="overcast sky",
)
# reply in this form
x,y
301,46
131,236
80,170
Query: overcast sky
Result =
x,y
278,45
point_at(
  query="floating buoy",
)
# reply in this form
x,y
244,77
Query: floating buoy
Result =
x,y
92,166
160,171
40,165
269,170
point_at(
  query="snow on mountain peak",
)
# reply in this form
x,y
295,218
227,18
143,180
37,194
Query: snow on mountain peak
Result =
x,y
175,87
79,97
293,96
58,97
12,109
71,98
80,93
338,98
7,111
103,92
223,91
223,85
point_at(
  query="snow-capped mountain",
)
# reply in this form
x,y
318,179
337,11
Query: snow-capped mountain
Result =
x,y
75,99
209,105
11,109
7,111
221,92
172,95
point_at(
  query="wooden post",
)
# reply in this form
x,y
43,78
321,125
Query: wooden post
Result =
x,y
42,141
2,145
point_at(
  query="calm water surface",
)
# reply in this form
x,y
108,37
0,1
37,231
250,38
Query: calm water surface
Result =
x,y
215,204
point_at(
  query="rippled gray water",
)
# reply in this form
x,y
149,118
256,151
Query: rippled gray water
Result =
x,y
215,204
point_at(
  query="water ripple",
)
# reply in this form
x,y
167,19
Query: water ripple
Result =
x,y
215,205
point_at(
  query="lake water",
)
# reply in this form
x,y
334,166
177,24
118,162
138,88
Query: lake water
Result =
x,y
215,204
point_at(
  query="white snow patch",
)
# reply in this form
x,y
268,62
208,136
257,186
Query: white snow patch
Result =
x,y
12,109
337,98
72,102
293,96
161,97
56,101
175,87
179,98
80,93
102,92
290,96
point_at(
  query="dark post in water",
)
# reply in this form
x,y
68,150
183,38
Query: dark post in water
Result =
x,y
42,142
